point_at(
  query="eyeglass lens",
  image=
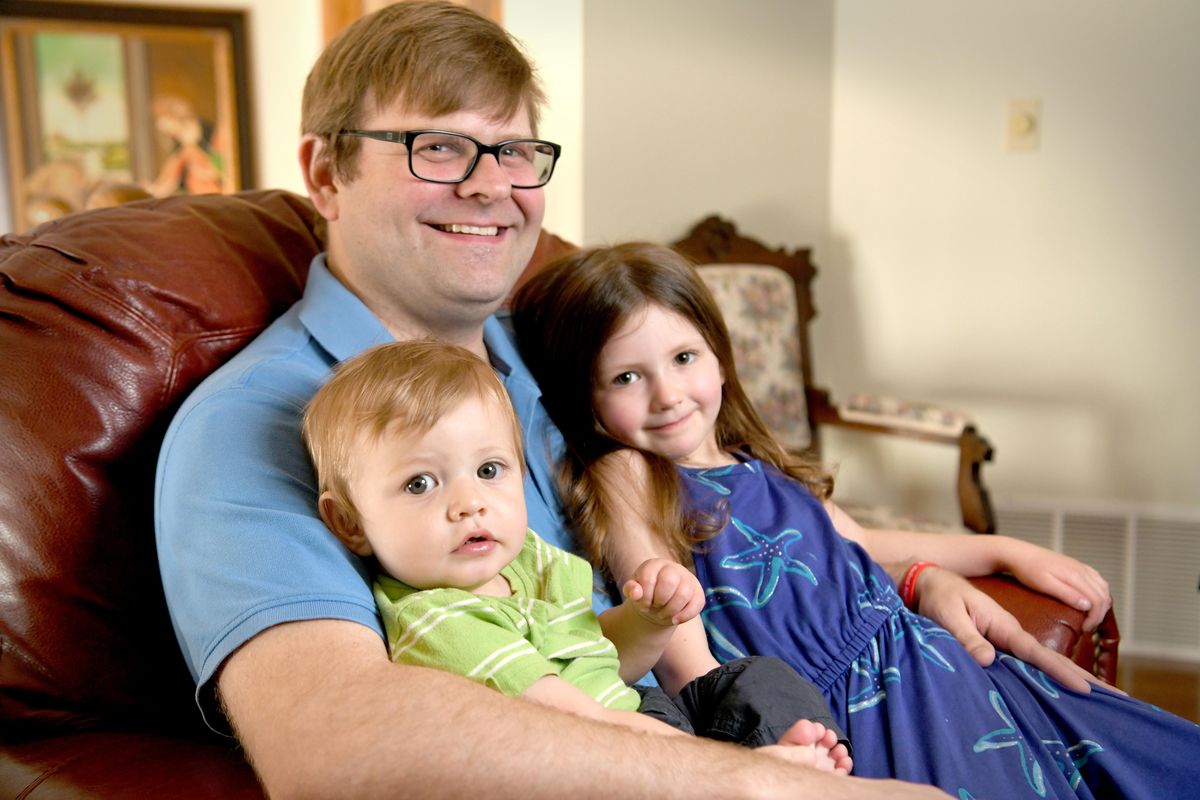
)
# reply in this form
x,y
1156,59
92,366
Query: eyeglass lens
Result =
x,y
449,157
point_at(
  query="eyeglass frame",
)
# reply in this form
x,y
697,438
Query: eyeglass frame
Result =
x,y
481,149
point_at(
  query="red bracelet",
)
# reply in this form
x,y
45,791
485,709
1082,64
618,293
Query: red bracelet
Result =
x,y
908,584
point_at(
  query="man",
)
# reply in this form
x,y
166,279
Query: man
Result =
x,y
427,232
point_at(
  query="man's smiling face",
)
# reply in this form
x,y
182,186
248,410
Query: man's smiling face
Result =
x,y
433,257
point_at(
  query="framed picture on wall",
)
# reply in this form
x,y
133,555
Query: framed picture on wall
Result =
x,y
108,103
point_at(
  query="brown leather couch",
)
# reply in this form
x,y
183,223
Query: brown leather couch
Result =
x,y
107,320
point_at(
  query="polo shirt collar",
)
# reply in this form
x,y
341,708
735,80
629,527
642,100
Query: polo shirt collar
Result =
x,y
335,317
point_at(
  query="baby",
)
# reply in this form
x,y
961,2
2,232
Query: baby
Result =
x,y
418,456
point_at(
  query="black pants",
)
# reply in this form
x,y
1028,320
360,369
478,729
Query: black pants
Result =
x,y
750,701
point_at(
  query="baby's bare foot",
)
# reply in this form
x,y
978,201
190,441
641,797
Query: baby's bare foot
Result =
x,y
814,736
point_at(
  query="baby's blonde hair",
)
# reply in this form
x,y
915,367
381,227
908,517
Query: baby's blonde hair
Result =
x,y
403,387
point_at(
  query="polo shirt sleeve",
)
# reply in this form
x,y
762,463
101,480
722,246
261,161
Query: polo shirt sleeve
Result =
x,y
458,632
241,547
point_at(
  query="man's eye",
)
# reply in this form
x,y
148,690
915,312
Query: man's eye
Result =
x,y
625,378
490,470
420,484
518,153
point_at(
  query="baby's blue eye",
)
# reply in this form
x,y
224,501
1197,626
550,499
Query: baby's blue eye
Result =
x,y
420,484
490,470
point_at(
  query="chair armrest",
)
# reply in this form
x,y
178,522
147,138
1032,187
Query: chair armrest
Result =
x,y
1057,625
973,451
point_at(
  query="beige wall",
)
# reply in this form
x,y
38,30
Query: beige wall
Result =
x,y
1051,293
693,107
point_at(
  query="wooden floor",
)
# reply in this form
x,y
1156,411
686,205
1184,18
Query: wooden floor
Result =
x,y
1171,685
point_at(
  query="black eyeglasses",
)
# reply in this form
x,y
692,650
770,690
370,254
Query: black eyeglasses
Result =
x,y
448,157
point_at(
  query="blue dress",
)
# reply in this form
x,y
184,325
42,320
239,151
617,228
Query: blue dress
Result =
x,y
781,581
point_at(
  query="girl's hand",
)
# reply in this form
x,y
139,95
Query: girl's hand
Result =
x,y
664,592
1061,577
982,625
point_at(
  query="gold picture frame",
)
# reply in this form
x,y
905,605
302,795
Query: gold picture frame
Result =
x,y
104,103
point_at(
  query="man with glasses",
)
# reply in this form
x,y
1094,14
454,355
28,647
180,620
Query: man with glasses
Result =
x,y
420,150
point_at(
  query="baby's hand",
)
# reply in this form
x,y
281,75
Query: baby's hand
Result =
x,y
664,592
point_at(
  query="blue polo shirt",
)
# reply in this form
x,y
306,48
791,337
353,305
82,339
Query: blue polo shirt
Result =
x,y
240,545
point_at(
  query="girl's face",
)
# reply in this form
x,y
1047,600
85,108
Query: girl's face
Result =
x,y
657,388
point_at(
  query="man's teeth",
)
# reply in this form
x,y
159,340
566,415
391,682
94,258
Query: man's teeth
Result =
x,y
474,230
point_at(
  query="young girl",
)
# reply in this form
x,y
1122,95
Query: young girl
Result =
x,y
667,458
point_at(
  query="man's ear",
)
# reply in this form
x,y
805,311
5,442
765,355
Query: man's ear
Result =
x,y
318,175
345,527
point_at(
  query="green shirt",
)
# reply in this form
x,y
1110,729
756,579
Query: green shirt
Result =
x,y
547,627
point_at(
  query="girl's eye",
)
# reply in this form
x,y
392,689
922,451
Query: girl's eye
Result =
x,y
490,470
625,378
686,357
420,484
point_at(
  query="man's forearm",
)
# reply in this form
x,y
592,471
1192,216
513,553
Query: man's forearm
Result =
x,y
322,713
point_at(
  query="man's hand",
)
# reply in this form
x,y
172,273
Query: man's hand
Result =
x,y
982,625
1064,578
664,592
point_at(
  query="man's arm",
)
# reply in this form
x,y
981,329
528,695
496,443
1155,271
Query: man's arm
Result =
x,y
323,713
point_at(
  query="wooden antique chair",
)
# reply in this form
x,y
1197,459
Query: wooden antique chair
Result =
x,y
766,298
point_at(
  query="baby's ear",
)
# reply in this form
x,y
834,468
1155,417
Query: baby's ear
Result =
x,y
344,524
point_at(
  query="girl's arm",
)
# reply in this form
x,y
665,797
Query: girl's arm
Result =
x,y
625,476
969,555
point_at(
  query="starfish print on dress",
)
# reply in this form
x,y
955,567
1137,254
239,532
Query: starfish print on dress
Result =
x,y
705,476
870,669
1007,737
771,556
717,598
1034,675
876,595
923,630
1070,759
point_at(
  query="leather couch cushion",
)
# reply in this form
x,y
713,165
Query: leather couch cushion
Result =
x,y
107,319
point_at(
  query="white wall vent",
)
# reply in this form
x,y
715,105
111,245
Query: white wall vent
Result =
x,y
1150,558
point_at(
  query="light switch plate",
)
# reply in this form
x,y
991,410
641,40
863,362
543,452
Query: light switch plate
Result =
x,y
1024,133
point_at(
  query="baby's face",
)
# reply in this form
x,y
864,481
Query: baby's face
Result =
x,y
445,508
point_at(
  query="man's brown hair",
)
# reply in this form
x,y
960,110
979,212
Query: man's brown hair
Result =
x,y
437,57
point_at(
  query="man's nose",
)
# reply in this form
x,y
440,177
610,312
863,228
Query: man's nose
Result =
x,y
487,180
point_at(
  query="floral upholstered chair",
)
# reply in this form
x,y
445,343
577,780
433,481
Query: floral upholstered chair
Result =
x,y
765,297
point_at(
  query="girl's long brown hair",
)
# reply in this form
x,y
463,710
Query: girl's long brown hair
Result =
x,y
563,316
